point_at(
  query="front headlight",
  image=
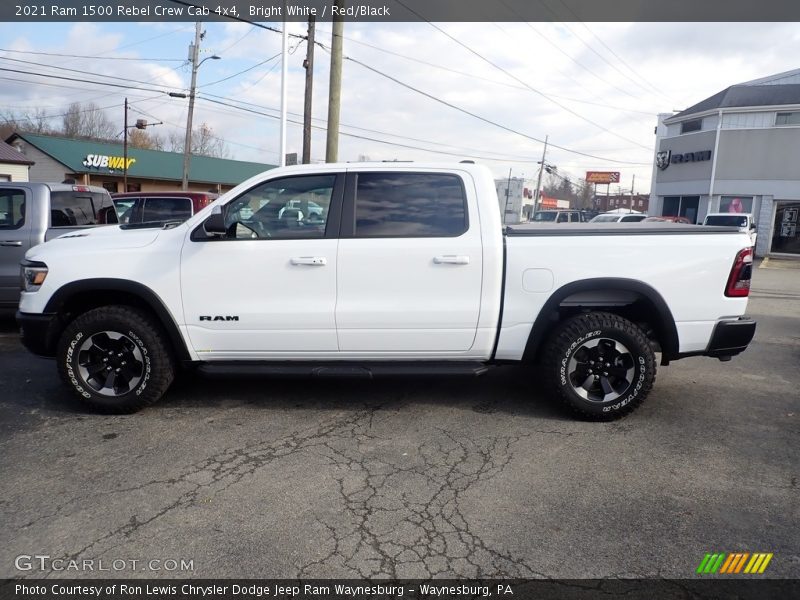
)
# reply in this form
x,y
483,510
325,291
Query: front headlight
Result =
x,y
33,275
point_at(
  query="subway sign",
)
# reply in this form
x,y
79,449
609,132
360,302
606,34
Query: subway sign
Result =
x,y
103,161
666,158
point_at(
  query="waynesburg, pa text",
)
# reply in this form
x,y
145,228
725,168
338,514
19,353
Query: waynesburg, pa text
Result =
x,y
274,590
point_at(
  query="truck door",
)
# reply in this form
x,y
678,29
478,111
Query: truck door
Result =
x,y
15,239
410,264
269,285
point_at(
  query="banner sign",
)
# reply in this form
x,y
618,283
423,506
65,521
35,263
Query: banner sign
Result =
x,y
602,176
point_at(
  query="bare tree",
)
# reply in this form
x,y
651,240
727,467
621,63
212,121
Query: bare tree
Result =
x,y
204,142
36,122
139,138
87,121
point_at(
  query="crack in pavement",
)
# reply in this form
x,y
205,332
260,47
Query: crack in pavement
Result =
x,y
408,521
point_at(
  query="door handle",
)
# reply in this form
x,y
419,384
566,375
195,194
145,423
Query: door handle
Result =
x,y
5,243
451,259
312,261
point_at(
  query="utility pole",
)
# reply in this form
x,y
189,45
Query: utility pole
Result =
x,y
539,179
508,192
309,66
284,91
633,183
335,87
194,52
125,152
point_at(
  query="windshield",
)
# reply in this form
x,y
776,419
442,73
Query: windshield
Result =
x,y
605,219
545,216
726,220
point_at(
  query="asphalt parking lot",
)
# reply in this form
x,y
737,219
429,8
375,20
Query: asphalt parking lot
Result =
x,y
412,478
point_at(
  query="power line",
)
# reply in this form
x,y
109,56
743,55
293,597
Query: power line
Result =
x,y
542,94
92,57
486,79
479,117
255,66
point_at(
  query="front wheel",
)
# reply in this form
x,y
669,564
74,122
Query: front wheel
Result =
x,y
600,365
115,359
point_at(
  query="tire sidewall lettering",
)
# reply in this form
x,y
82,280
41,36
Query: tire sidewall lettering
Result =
x,y
70,358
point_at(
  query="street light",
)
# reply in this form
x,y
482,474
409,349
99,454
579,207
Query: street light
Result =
x,y
187,145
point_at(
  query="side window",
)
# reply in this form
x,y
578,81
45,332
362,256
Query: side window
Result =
x,y
287,208
12,209
71,209
410,205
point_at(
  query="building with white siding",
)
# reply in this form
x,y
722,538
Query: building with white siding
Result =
x,y
14,166
736,151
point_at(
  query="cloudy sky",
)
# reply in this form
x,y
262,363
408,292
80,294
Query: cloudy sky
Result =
x,y
594,89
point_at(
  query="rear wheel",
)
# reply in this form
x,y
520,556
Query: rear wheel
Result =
x,y
115,359
600,365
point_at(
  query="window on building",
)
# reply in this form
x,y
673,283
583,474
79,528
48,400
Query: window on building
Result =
x,y
410,205
681,206
737,204
689,126
12,209
641,202
787,118
111,186
134,187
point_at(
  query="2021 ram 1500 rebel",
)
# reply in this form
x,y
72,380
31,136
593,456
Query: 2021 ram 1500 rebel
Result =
x,y
406,268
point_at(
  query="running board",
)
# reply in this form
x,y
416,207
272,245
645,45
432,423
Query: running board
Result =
x,y
344,370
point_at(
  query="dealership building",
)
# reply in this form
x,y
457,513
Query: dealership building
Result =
x,y
736,151
53,159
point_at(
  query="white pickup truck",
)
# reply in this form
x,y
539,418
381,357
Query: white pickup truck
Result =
x,y
363,269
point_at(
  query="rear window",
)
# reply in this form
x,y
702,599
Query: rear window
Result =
x,y
166,209
633,218
75,209
410,205
544,216
727,221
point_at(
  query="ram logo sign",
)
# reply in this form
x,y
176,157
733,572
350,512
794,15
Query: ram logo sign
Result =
x,y
219,318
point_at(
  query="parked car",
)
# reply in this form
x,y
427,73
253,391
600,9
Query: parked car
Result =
x,y
32,213
667,219
411,272
744,221
619,218
558,216
156,208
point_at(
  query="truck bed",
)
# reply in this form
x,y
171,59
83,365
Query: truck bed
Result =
x,y
550,229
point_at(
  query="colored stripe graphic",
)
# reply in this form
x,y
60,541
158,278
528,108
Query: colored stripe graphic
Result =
x,y
703,564
734,563
741,562
726,565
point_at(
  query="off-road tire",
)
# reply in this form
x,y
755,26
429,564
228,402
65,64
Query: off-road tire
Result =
x,y
629,373
133,342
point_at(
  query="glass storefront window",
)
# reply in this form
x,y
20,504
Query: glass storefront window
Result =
x,y
736,204
785,235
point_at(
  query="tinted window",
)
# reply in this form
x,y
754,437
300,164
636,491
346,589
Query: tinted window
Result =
x,y
787,118
12,209
166,209
545,216
727,221
73,209
292,207
410,205
633,218
605,219
689,126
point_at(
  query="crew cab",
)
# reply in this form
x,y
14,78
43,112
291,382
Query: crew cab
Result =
x,y
403,269
744,221
32,213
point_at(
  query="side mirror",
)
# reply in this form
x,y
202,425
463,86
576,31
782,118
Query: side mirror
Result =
x,y
215,224
752,226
